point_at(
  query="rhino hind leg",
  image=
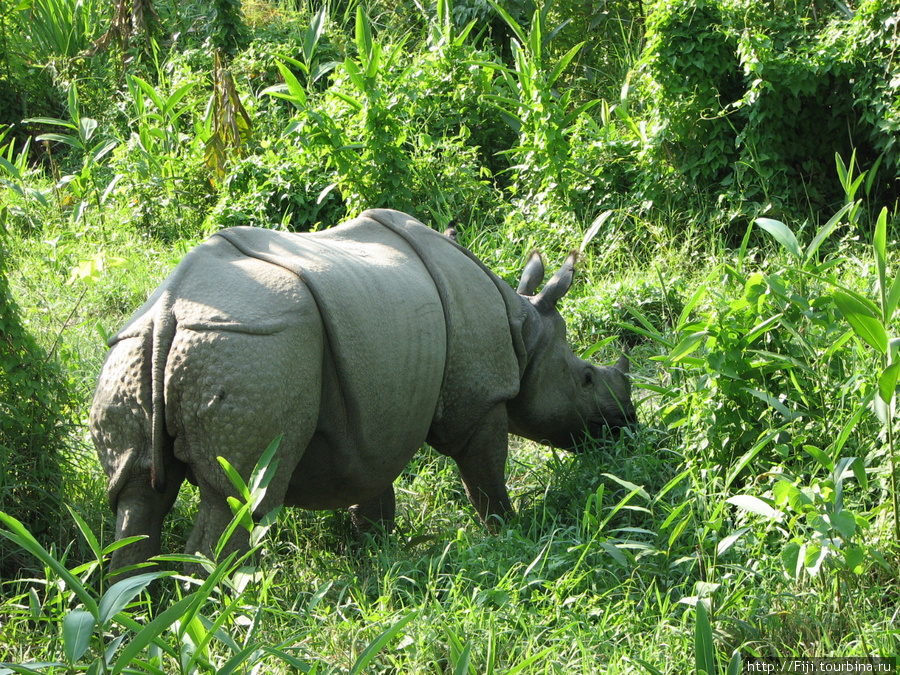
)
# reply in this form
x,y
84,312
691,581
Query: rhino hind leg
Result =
x,y
141,510
233,396
375,515
120,427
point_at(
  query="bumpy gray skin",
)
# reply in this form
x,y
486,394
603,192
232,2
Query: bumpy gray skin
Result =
x,y
358,344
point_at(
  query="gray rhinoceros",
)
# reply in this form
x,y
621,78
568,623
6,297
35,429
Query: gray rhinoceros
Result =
x,y
358,344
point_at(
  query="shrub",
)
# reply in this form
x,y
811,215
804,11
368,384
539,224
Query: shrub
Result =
x,y
690,74
35,420
744,99
284,185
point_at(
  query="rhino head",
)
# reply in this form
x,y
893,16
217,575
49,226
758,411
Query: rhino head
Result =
x,y
563,400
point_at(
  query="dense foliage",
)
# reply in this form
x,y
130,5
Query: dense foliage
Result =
x,y
730,172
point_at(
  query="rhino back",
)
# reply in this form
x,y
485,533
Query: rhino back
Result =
x,y
385,344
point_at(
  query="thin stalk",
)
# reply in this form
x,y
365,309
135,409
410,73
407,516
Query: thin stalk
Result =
x,y
896,495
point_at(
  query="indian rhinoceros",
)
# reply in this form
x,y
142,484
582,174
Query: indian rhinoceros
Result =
x,y
357,344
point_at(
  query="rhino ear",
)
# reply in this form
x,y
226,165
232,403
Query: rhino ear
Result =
x,y
532,275
559,284
624,363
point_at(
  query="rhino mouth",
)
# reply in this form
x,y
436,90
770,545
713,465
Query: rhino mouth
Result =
x,y
602,427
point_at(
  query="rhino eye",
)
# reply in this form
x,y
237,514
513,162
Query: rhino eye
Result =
x,y
588,377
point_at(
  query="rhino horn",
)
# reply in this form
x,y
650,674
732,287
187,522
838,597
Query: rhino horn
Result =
x,y
624,363
559,284
532,275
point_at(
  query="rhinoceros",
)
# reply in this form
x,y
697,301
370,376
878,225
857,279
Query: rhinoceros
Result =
x,y
355,344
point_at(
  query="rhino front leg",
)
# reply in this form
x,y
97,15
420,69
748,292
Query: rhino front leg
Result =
x,y
375,515
482,466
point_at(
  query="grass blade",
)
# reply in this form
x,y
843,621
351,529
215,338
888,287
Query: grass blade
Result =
x,y
824,233
18,534
151,631
372,650
531,659
563,63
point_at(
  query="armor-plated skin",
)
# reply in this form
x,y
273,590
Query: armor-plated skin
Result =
x,y
357,344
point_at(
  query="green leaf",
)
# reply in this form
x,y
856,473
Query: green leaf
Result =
x,y
66,139
687,345
887,382
889,289
771,401
461,667
735,665
824,232
595,228
86,532
10,168
879,244
296,94
77,629
121,543
122,592
313,33
689,306
748,456
150,632
782,490
523,666
103,149
20,535
235,478
266,467
843,522
372,650
87,126
853,558
762,328
730,540
364,42
871,173
823,459
790,558
516,28
754,505
841,169
704,650
782,235
53,121
177,95
862,320
563,63
814,557
614,552
355,75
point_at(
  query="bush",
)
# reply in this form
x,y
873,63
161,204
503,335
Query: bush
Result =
x,y
35,420
744,99
282,186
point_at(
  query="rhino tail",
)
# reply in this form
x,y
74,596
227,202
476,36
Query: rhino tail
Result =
x,y
164,325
